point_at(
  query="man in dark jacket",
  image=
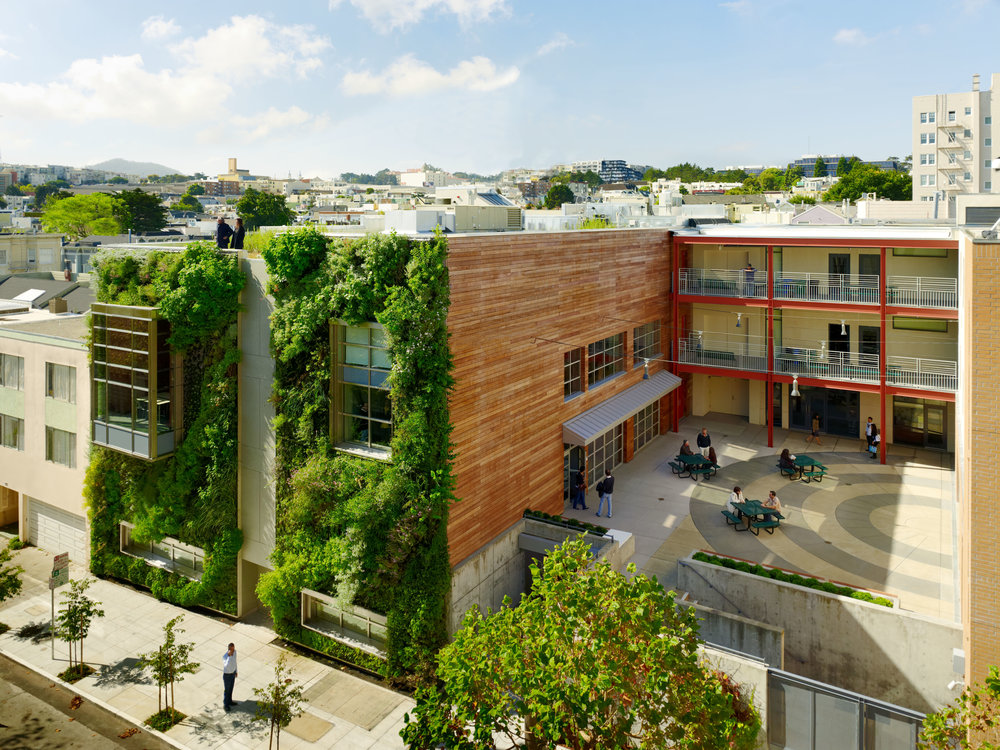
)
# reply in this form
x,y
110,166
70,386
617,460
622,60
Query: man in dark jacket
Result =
x,y
579,489
604,489
238,235
222,233
686,449
704,441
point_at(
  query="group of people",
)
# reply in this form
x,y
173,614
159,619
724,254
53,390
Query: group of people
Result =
x,y
605,488
771,503
228,238
873,437
704,443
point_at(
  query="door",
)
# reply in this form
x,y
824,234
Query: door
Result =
x,y
839,342
573,459
869,265
57,531
934,421
866,289
840,269
868,340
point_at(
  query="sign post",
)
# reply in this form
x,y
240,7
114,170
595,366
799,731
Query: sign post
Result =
x,y
59,577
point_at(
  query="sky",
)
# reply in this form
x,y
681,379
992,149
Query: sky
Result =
x,y
320,87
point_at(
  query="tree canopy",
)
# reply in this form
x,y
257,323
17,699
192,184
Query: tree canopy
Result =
x,y
188,202
140,211
687,172
819,168
118,180
971,721
258,209
590,177
557,195
867,178
589,659
50,190
382,177
81,215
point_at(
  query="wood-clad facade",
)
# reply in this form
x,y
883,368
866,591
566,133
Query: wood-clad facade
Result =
x,y
519,302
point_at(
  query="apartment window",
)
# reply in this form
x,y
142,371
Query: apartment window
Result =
x,y
966,154
986,163
60,447
32,256
3,257
951,179
926,138
364,407
987,142
931,117
926,180
923,118
987,121
952,159
572,375
168,553
60,382
11,432
967,177
926,159
646,342
952,138
605,358
951,115
987,185
966,133
12,372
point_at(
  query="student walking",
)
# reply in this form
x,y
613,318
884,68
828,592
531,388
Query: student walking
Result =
x,y
580,490
814,435
604,490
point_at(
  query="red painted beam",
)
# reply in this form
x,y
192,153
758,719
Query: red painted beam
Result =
x,y
883,395
895,390
769,417
728,372
735,301
852,308
921,312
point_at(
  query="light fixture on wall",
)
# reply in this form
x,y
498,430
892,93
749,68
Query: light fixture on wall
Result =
x,y
645,369
843,328
739,317
822,349
795,385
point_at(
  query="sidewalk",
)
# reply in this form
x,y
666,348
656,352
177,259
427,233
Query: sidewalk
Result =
x,y
342,710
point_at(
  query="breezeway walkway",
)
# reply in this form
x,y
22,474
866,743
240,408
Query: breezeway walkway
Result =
x,y
890,528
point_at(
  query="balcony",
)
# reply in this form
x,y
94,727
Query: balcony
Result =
x,y
717,282
814,363
914,372
730,350
922,291
827,287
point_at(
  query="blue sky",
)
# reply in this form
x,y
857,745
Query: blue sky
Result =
x,y
321,87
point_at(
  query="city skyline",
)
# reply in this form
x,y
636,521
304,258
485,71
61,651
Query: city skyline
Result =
x,y
474,85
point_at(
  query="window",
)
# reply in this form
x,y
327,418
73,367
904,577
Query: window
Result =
x,y
3,257
355,625
572,375
926,138
31,255
966,154
46,255
646,342
927,180
605,358
60,382
987,121
986,163
168,553
604,454
952,138
987,142
952,159
647,425
923,118
12,372
11,432
987,185
926,159
966,133
364,406
967,177
951,115
60,447
931,116
951,179
968,110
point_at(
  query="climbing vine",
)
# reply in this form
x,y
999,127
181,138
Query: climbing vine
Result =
x,y
191,494
370,533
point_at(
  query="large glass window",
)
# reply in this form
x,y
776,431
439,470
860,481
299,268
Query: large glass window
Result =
x,y
60,382
168,553
572,374
605,358
11,432
60,447
364,411
12,372
646,342
647,425
351,624
605,453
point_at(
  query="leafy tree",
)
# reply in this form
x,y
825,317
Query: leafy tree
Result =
x,y
259,209
188,202
12,189
807,199
843,166
557,195
819,168
590,659
195,189
972,721
684,191
278,702
169,663
73,624
792,175
118,180
10,579
82,215
3,203
50,190
867,178
590,177
140,211
751,185
771,178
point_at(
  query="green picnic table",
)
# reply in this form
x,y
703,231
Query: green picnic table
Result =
x,y
750,510
810,468
697,465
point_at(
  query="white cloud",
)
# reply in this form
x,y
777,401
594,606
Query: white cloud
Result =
x,y
557,42
246,129
251,46
157,27
386,15
742,7
851,37
407,75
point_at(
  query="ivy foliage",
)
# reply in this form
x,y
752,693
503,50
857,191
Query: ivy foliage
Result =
x,y
191,494
371,533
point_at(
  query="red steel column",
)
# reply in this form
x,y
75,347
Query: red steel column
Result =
x,y
676,308
881,355
769,383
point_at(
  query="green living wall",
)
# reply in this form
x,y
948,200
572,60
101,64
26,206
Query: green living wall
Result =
x,y
368,532
191,494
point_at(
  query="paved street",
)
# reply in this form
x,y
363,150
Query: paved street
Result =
x,y
344,711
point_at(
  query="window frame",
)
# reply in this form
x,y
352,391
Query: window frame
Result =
x,y
599,368
339,414
310,601
51,368
8,421
572,364
17,364
155,559
51,433
646,342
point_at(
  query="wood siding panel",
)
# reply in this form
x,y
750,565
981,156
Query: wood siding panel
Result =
x,y
508,292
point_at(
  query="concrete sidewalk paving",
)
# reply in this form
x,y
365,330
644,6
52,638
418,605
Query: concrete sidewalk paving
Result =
x,y
342,710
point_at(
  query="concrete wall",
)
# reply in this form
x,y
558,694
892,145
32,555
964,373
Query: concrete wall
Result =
x,y
736,633
257,447
487,575
888,654
750,675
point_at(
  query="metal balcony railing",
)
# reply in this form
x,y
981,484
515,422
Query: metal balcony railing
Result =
x,y
732,350
814,363
934,374
922,291
718,282
827,287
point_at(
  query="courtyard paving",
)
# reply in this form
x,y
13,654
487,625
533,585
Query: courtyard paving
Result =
x,y
890,528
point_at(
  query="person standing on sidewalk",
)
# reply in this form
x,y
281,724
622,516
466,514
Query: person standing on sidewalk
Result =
x,y
580,490
704,441
229,677
604,490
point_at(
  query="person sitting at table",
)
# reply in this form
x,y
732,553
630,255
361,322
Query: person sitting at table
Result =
x,y
712,457
736,497
686,449
787,461
773,503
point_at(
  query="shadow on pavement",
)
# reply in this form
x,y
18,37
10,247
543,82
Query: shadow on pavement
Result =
x,y
36,632
125,672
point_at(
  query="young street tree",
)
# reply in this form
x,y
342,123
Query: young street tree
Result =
x,y
278,702
169,663
557,195
10,579
73,624
81,215
258,209
588,659
140,211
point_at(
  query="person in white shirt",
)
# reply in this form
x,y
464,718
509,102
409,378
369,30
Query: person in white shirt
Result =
x,y
229,677
736,497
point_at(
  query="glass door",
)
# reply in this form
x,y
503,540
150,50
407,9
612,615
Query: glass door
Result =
x,y
936,432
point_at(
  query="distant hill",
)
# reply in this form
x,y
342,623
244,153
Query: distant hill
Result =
x,y
139,168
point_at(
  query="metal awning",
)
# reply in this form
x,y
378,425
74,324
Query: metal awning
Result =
x,y
601,418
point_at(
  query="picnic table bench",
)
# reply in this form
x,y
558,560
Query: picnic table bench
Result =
x,y
696,465
791,473
735,520
810,468
750,511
